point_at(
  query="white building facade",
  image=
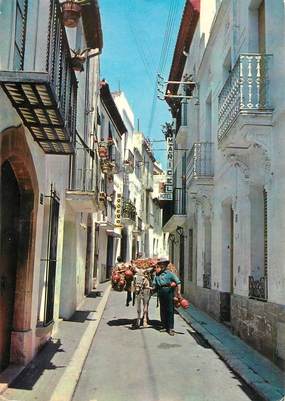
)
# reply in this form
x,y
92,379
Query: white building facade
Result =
x,y
228,240
48,169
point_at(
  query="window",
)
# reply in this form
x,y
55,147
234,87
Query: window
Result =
x,y
20,33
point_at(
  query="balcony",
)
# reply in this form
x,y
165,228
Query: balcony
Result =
x,y
174,212
46,101
200,168
81,195
128,213
244,102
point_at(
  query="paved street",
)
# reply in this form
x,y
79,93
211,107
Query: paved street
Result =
x,y
146,365
127,365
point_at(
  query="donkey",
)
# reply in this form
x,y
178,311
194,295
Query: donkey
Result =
x,y
142,293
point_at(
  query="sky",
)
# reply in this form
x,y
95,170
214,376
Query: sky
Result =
x,y
133,37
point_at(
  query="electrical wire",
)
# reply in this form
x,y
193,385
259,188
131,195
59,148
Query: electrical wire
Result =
x,y
146,59
164,55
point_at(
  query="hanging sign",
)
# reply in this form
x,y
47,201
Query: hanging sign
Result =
x,y
167,193
169,168
118,211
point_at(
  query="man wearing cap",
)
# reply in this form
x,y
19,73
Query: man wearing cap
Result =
x,y
165,291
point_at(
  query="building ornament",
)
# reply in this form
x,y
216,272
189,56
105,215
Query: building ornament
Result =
x,y
235,161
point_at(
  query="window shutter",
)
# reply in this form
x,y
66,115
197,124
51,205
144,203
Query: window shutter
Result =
x,y
20,33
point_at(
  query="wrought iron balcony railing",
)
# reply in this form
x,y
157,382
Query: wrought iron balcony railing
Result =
x,y
129,211
207,280
46,100
177,206
257,288
246,90
84,180
200,161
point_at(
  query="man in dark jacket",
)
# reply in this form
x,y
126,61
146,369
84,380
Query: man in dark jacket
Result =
x,y
162,283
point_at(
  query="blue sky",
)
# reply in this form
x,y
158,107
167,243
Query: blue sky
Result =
x,y
133,35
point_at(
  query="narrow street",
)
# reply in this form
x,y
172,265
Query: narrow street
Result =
x,y
142,150
131,365
147,365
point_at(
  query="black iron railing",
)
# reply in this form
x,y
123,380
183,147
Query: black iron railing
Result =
x,y
200,161
207,280
257,288
129,210
175,207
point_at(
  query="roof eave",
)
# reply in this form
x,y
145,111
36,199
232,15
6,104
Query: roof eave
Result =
x,y
92,25
185,35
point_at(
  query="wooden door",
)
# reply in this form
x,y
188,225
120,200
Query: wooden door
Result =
x,y
10,207
261,28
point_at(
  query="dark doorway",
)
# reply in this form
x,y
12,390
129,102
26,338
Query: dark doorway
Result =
x,y
88,285
10,210
51,265
110,248
124,243
181,260
134,248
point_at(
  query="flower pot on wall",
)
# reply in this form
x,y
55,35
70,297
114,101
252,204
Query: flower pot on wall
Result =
x,y
103,150
71,12
78,62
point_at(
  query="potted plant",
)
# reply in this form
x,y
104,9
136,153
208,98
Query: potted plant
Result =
x,y
78,60
104,166
71,12
103,149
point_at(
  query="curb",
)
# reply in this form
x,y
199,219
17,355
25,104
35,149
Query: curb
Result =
x,y
7,377
264,389
65,388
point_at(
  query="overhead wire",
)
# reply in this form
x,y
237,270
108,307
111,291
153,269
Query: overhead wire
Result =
x,y
140,48
164,55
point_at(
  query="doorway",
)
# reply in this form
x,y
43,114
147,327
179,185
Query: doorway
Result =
x,y
10,212
227,261
110,248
